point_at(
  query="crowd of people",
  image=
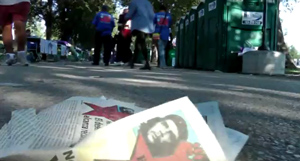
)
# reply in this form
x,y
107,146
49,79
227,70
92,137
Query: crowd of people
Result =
x,y
139,21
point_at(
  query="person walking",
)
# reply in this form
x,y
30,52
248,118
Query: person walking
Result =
x,y
162,22
14,12
141,14
124,52
104,23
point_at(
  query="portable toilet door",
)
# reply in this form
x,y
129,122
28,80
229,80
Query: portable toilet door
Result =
x,y
181,39
212,29
201,38
177,44
186,41
192,37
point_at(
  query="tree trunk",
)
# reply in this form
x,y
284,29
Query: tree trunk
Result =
x,y
65,29
282,47
49,20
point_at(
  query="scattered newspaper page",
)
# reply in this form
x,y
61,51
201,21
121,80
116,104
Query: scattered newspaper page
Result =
x,y
28,135
230,140
77,130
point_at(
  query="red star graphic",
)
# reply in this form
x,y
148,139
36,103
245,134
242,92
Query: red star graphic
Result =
x,y
110,113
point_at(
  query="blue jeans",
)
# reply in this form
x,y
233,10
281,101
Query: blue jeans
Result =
x,y
161,51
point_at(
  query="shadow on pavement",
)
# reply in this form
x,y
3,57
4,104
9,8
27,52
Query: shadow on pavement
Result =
x,y
266,109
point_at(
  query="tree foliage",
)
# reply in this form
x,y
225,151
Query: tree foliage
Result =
x,y
71,20
177,8
68,20
294,53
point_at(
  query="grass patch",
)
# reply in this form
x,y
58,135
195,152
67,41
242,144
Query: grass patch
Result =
x,y
292,71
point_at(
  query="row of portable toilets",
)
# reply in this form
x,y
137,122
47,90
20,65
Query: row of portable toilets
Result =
x,y
212,34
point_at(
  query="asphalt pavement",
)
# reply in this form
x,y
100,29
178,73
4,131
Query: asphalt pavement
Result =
x,y
263,107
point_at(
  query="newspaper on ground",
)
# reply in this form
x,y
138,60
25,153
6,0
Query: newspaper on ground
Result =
x,y
230,140
101,129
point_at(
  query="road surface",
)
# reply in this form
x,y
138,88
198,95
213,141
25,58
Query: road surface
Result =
x,y
265,108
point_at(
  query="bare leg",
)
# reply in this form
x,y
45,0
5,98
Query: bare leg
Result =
x,y
20,34
7,38
21,41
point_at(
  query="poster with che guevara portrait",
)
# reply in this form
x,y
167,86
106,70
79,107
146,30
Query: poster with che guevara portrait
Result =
x,y
168,138
175,132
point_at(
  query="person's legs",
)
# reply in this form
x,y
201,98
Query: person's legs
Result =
x,y
98,46
20,27
140,45
136,49
120,49
127,51
6,24
141,39
7,38
8,43
162,47
107,41
20,12
155,55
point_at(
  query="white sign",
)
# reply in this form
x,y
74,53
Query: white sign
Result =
x,y
271,1
192,18
201,13
252,18
186,22
212,5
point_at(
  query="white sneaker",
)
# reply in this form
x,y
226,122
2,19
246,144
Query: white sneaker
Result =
x,y
22,58
11,59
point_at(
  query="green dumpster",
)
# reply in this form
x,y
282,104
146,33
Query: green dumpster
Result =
x,y
192,33
232,25
177,44
187,41
181,39
201,38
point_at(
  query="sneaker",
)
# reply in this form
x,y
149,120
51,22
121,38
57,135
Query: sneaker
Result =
x,y
22,58
131,64
117,63
11,59
146,67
